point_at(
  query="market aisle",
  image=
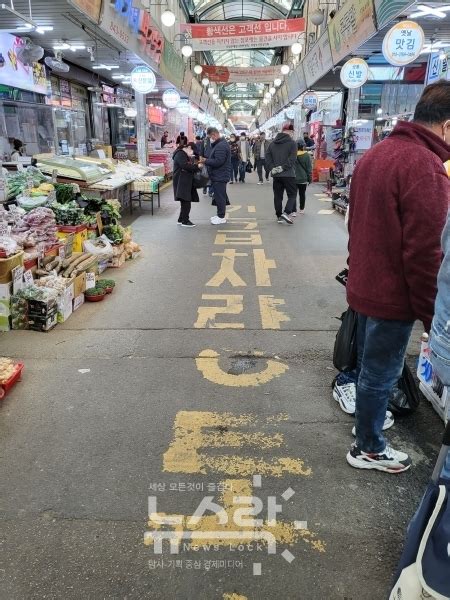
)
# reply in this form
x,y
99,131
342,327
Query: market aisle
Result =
x,y
178,393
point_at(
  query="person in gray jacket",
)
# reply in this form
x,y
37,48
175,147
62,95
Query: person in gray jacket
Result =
x,y
280,160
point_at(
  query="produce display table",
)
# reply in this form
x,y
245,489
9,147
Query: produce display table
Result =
x,y
145,188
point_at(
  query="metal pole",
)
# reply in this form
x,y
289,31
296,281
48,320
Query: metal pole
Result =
x,y
142,128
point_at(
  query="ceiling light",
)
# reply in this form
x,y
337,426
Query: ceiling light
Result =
x,y
198,69
42,29
215,96
317,17
285,69
205,81
187,50
379,111
210,90
266,101
168,18
105,67
268,95
296,48
118,76
277,82
62,46
272,91
426,11
75,47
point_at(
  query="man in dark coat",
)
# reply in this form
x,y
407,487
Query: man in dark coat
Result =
x,y
183,182
219,167
399,200
280,161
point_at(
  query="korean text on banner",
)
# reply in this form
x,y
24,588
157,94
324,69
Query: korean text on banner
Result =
x,y
218,74
386,10
14,73
134,29
318,61
91,8
353,25
295,83
244,34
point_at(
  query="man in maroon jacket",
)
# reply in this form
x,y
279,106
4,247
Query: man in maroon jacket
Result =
x,y
398,205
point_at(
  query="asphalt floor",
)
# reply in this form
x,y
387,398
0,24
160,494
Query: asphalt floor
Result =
x,y
202,386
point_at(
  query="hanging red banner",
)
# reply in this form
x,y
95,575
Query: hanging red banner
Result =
x,y
238,35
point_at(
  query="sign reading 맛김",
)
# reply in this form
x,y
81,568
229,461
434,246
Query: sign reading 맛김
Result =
x,y
403,43
143,79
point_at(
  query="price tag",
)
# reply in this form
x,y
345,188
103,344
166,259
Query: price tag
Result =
x,y
90,280
62,252
28,277
4,229
17,275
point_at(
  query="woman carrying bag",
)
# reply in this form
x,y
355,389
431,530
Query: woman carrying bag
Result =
x,y
185,192
303,175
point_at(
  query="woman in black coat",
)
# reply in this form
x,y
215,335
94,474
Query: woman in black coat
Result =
x,y
183,181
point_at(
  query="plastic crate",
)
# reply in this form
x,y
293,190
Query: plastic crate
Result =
x,y
79,235
9,383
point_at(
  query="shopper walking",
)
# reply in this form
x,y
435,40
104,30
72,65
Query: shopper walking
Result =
x,y
219,168
395,254
244,151
280,161
235,158
205,153
184,168
303,176
260,151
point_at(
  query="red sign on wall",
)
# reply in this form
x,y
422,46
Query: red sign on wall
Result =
x,y
155,115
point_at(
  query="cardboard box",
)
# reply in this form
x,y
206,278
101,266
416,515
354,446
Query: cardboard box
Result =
x,y
118,250
117,261
65,306
77,302
79,285
37,323
5,291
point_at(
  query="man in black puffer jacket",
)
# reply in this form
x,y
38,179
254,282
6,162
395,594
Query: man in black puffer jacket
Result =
x,y
219,168
280,162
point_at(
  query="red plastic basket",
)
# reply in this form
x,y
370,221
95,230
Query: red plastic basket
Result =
x,y
7,385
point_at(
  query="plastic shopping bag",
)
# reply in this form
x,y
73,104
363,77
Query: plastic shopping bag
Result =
x,y
345,346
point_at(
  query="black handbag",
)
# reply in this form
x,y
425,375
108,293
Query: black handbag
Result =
x,y
201,179
248,167
345,346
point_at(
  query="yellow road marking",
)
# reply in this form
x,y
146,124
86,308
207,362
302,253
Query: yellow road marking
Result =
x,y
326,212
250,224
226,271
262,266
271,317
197,431
208,364
221,529
247,239
232,209
251,209
234,305
234,597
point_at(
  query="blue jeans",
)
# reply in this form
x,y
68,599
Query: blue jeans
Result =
x,y
242,171
381,356
234,168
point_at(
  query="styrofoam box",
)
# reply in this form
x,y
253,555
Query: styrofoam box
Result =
x,y
431,386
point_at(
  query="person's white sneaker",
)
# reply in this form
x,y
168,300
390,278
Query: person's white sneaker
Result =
x,y
218,221
346,396
389,461
293,214
301,212
260,183
388,422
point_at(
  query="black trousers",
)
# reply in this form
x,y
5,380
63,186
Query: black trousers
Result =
x,y
280,184
220,196
260,163
185,209
302,194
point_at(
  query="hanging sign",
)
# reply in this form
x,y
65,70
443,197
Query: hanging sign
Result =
x,y
438,66
387,10
310,101
171,98
91,8
403,43
143,79
352,25
318,61
355,73
235,35
16,74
